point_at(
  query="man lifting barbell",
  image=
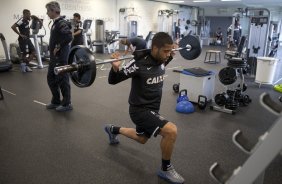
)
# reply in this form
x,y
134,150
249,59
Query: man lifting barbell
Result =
x,y
147,75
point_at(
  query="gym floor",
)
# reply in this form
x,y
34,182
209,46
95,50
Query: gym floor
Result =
x,y
47,147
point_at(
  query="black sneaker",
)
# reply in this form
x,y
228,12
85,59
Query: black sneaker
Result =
x,y
112,137
64,108
52,106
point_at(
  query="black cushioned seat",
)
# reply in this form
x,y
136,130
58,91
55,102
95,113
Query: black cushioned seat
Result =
x,y
5,66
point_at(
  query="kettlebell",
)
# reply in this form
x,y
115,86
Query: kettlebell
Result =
x,y
185,107
182,96
175,88
202,102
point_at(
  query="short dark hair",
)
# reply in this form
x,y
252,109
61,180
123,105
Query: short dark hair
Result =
x,y
160,39
26,11
77,15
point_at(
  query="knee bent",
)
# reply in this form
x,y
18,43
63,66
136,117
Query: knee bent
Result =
x,y
142,140
170,129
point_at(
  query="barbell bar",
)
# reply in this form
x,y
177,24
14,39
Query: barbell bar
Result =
x,y
76,65
82,64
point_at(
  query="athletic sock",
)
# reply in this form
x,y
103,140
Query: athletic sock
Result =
x,y
165,164
115,129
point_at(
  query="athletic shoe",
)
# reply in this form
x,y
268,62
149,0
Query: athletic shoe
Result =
x,y
28,69
52,106
171,176
64,108
112,137
23,67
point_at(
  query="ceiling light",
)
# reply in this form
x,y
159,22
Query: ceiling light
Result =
x,y
230,0
201,1
176,1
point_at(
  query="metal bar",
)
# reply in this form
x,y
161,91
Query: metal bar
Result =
x,y
74,67
114,60
65,69
188,47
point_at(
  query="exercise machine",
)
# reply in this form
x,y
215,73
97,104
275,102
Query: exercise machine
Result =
x,y
36,25
261,154
111,37
99,41
167,22
5,64
258,31
87,34
44,47
149,39
234,31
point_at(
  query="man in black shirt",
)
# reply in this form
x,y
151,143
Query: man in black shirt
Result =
x,y
59,45
133,44
147,73
21,27
218,35
77,32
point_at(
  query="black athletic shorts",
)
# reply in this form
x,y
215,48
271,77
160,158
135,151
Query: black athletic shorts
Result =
x,y
148,122
23,43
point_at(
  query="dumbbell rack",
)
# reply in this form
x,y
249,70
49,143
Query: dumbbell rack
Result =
x,y
233,97
261,154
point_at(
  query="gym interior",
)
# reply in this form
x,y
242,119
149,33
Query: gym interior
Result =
x,y
222,90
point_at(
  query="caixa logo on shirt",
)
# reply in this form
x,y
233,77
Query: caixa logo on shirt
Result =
x,y
155,80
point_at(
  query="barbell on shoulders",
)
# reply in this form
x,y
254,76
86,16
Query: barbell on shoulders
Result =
x,y
82,64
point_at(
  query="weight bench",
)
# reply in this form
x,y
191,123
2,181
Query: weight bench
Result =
x,y
229,54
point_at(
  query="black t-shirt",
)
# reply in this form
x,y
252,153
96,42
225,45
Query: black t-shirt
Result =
x,y
23,26
78,39
147,81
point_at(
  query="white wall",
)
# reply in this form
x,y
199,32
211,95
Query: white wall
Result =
x,y
108,10
11,10
147,12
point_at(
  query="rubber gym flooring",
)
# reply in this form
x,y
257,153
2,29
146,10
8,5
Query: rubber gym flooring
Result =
x,y
39,146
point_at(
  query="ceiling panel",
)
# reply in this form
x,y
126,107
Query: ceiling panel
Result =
x,y
242,3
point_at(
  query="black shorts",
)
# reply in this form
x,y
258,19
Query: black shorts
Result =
x,y
148,122
23,43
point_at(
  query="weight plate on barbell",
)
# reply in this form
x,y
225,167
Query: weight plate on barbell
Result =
x,y
195,45
86,73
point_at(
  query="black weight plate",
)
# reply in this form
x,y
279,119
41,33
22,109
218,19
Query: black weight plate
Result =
x,y
227,75
86,73
220,99
195,47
